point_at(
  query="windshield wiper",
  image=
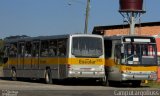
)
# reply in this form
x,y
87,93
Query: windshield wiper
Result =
x,y
129,57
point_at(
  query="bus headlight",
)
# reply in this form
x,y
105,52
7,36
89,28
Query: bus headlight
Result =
x,y
153,75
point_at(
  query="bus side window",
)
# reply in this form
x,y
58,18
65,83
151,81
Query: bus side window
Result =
x,y
35,49
145,50
21,49
62,47
6,51
13,50
44,48
52,47
28,49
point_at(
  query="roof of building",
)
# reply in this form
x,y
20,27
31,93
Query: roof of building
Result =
x,y
98,29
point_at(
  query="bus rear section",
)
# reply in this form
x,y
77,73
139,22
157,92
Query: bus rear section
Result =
x,y
86,58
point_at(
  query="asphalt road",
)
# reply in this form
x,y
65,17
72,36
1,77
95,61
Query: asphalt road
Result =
x,y
69,88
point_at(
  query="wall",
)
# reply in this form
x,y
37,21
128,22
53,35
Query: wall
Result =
x,y
147,30
158,49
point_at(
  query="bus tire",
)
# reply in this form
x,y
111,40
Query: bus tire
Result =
x,y
136,83
48,76
13,74
111,83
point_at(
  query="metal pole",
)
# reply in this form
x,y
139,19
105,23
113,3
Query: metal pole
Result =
x,y
87,15
132,24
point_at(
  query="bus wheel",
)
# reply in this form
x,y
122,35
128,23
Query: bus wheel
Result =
x,y
14,74
111,83
48,76
136,83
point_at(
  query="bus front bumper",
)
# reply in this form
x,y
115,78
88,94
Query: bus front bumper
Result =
x,y
139,76
86,74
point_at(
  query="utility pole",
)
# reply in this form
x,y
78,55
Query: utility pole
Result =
x,y
87,15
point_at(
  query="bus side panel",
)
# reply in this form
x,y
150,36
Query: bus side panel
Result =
x,y
6,73
12,62
49,63
58,67
63,68
27,67
63,71
112,70
32,69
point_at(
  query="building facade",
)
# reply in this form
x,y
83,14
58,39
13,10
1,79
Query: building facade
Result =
x,y
151,28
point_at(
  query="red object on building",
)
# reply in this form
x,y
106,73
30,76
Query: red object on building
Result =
x,y
158,51
158,45
158,74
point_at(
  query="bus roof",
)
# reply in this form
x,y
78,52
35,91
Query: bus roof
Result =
x,y
136,39
125,36
37,38
47,37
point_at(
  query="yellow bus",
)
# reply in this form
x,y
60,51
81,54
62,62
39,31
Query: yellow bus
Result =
x,y
130,59
55,57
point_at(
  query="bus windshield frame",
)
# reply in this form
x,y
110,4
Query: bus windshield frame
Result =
x,y
139,54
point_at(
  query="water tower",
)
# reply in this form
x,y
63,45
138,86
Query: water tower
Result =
x,y
131,10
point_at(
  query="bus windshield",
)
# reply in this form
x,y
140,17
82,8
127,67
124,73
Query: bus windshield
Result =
x,y
86,47
140,53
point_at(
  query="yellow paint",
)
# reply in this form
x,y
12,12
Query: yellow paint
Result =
x,y
146,81
28,61
95,61
50,60
109,62
138,68
12,61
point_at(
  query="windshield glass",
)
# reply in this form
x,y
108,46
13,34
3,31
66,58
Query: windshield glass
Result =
x,y
140,54
86,46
